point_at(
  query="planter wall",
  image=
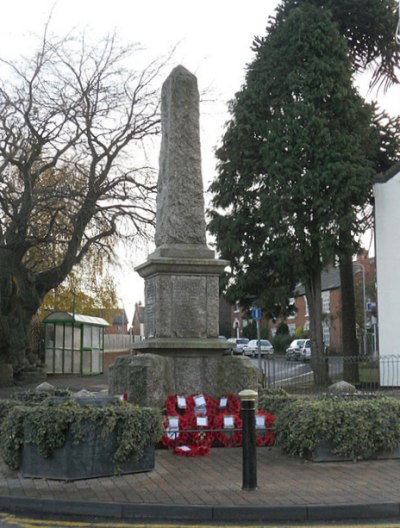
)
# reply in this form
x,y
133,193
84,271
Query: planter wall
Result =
x,y
93,457
323,452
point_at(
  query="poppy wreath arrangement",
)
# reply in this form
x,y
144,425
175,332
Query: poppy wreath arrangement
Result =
x,y
195,423
228,404
265,433
178,405
175,434
228,430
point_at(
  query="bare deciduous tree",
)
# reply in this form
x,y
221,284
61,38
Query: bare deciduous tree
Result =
x,y
73,175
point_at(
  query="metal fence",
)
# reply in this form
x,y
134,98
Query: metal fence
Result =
x,y
367,373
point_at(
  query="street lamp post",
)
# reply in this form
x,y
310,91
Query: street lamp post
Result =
x,y
364,306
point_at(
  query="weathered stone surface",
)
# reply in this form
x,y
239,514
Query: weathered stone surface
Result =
x,y
145,378
83,393
180,200
119,375
151,377
342,387
47,387
181,305
181,275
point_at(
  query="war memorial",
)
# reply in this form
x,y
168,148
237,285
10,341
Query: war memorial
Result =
x,y
181,353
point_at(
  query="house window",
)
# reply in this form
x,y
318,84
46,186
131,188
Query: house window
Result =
x,y
326,334
325,296
237,307
293,314
292,329
273,332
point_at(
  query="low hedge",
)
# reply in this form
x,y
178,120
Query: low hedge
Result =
x,y
358,429
273,400
46,425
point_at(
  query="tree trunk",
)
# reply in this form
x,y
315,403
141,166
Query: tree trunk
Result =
x,y
319,361
19,301
349,337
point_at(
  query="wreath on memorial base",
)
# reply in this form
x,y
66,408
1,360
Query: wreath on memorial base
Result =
x,y
200,435
188,438
228,437
172,438
172,408
232,406
210,408
266,437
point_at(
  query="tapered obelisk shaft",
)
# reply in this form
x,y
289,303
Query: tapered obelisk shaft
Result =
x,y
180,201
182,274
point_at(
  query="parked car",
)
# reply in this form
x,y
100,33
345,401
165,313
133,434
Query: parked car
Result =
x,y
236,344
305,351
251,349
293,350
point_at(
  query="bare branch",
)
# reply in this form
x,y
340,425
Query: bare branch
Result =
x,y
75,121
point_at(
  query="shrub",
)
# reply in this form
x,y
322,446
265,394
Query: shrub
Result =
x,y
46,426
300,333
358,429
37,396
273,400
281,342
282,329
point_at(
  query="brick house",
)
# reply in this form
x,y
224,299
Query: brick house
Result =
x,y
232,318
138,321
364,276
119,322
364,272
331,308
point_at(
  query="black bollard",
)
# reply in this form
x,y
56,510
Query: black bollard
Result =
x,y
247,413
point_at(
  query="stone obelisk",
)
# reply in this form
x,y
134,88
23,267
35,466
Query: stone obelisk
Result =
x,y
181,353
181,275
180,225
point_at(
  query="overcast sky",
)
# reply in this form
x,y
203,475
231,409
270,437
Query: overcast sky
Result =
x,y
213,38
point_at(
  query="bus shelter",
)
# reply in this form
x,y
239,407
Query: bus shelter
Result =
x,y
74,343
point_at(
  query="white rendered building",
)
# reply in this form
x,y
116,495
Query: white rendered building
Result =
x,y
387,246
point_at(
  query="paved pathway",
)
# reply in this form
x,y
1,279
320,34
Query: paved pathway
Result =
x,y
217,479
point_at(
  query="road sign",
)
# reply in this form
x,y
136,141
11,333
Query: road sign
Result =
x,y
256,313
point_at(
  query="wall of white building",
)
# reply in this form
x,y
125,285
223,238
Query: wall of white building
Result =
x,y
387,240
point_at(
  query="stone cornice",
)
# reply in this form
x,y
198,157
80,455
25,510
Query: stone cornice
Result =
x,y
181,266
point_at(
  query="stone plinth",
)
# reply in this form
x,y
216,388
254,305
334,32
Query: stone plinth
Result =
x,y
182,303
149,378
